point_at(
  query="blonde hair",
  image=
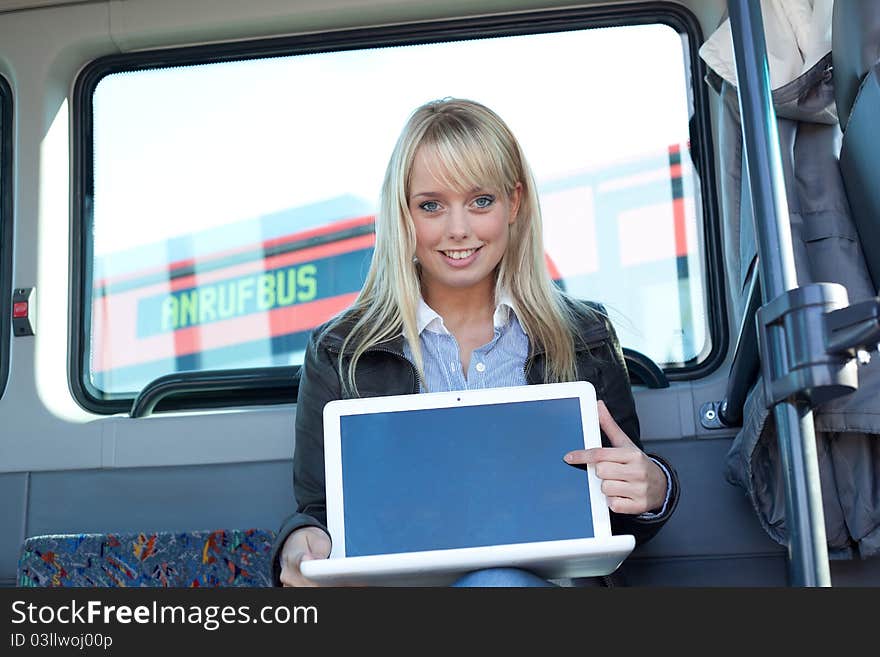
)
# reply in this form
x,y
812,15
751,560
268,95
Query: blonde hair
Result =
x,y
472,147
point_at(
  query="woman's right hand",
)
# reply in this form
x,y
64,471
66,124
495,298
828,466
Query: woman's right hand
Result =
x,y
304,544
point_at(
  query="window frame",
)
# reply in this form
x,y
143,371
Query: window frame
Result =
x,y
6,226
675,16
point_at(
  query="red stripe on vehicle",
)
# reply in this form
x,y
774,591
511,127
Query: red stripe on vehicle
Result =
x,y
680,230
678,216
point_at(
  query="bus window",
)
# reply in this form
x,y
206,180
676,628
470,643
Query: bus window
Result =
x,y
229,205
5,225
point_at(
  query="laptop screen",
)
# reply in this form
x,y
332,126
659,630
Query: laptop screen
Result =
x,y
464,476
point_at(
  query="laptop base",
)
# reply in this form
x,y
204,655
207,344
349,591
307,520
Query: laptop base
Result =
x,y
580,557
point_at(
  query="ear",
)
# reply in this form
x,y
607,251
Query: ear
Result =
x,y
515,200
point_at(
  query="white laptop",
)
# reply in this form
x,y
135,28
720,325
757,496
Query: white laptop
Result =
x,y
422,489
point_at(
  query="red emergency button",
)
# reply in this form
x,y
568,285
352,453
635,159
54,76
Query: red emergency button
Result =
x,y
20,310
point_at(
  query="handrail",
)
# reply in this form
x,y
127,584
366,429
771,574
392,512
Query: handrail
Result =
x,y
208,381
807,547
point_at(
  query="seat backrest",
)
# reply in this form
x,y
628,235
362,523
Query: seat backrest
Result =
x,y
856,59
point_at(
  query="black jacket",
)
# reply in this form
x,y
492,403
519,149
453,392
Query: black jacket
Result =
x,y
383,370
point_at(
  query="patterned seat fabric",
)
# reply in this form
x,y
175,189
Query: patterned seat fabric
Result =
x,y
233,557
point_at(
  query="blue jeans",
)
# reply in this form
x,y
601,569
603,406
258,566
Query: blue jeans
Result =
x,y
500,577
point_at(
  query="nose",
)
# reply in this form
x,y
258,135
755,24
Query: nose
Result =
x,y
458,225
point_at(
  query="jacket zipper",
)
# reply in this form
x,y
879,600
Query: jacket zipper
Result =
x,y
407,361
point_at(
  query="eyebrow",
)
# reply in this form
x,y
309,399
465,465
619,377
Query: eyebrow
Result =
x,y
475,190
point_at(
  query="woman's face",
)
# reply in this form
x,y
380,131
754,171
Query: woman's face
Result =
x,y
460,237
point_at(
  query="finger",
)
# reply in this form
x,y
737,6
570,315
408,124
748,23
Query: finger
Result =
x,y
615,434
317,545
291,576
615,471
635,491
614,488
602,454
624,505
305,581
579,458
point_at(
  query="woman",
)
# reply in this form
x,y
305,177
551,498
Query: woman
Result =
x,y
458,276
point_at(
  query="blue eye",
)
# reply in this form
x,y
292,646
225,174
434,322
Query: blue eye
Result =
x,y
429,206
484,201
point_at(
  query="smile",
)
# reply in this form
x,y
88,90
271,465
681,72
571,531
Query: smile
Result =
x,y
461,254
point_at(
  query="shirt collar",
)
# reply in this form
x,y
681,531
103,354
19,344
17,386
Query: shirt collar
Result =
x,y
428,319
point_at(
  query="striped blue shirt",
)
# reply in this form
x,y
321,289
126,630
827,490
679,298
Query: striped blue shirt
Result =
x,y
498,363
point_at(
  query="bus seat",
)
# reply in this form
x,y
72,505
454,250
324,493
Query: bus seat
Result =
x,y
218,558
856,57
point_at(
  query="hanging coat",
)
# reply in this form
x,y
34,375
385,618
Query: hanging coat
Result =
x,y
826,249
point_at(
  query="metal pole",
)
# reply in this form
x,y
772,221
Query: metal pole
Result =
x,y
807,548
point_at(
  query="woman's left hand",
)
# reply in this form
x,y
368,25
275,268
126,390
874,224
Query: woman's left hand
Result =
x,y
631,481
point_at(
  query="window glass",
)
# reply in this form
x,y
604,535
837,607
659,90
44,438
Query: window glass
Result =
x,y
233,202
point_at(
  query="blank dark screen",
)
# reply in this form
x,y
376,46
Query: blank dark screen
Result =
x,y
463,477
